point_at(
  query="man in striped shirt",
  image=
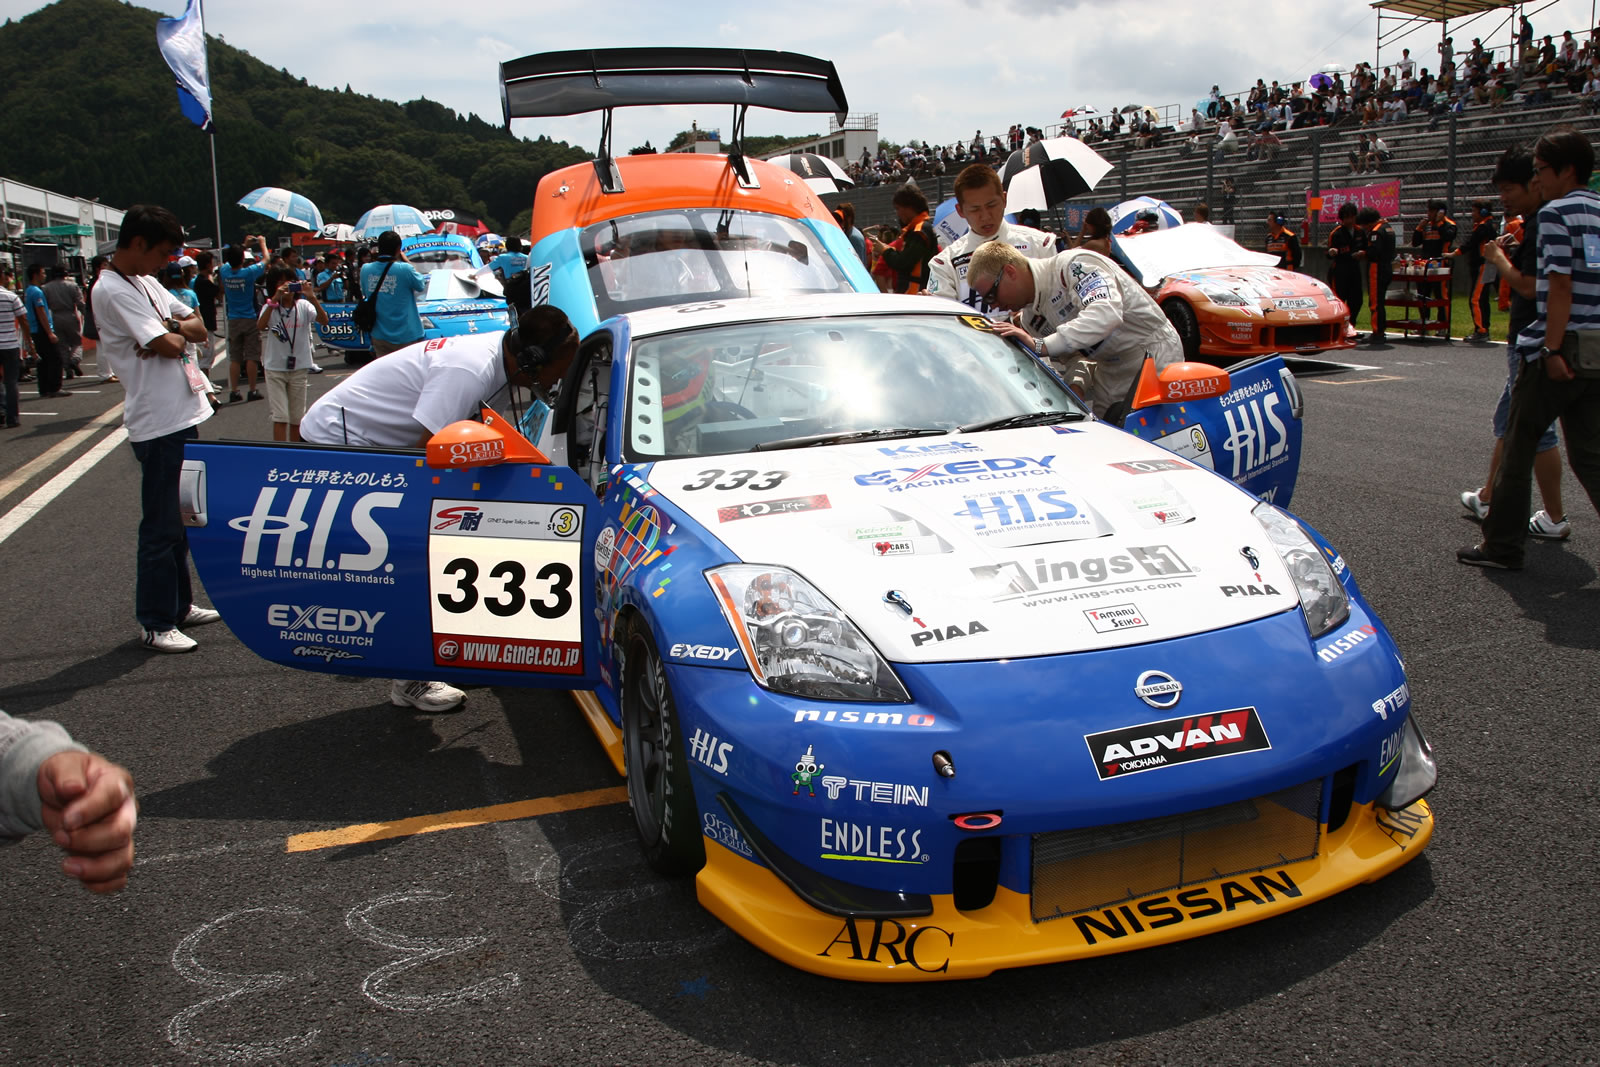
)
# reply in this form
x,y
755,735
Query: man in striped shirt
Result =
x,y
1549,385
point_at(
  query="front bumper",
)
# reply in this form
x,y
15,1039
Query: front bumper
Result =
x,y
953,943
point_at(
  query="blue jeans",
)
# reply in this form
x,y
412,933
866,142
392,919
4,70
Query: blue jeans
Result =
x,y
162,594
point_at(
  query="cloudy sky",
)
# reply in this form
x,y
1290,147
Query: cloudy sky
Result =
x,y
932,70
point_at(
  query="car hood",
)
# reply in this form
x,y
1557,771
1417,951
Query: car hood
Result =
x,y
1000,544
1262,287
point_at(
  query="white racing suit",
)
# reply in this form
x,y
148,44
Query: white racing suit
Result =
x,y
947,271
1084,304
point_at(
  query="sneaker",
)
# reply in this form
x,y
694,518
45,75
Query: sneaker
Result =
x,y
173,640
426,696
235,398
1477,557
1545,528
199,616
1474,503
1475,336
252,395
315,369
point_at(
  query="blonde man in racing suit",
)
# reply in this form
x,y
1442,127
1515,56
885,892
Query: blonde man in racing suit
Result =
x,y
981,200
1078,305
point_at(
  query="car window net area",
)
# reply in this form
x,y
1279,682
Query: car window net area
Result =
x,y
667,257
730,388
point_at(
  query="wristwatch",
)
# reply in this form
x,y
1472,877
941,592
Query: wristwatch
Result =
x,y
173,326
1546,350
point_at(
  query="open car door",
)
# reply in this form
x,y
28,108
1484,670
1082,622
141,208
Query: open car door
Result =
x,y
374,562
1243,423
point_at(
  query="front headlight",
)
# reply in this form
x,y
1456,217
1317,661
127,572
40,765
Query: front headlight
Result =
x,y
796,641
1322,597
1225,298
1322,287
427,323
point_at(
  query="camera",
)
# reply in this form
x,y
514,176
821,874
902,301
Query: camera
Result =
x,y
296,287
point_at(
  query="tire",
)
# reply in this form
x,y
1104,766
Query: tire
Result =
x,y
1183,319
660,791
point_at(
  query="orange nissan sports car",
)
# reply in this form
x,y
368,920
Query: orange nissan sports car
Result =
x,y
1228,302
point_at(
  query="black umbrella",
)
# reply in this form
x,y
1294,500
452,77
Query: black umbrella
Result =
x,y
1047,172
822,174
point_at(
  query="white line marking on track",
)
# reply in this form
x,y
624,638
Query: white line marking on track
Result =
x,y
36,501
11,482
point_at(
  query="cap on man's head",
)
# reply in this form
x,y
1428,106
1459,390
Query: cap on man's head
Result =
x,y
185,261
172,272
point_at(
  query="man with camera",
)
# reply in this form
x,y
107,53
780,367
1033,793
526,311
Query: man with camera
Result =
x,y
286,323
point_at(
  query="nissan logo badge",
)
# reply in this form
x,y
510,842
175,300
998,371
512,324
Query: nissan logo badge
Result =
x,y
1158,689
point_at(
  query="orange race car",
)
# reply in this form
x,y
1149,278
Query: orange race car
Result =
x,y
1229,303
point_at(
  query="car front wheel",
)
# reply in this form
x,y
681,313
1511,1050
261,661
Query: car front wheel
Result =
x,y
1183,319
659,789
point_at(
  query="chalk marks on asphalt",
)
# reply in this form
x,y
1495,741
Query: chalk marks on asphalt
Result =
x,y
181,1028
208,1038
419,951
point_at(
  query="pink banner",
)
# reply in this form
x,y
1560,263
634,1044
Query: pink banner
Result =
x,y
1385,196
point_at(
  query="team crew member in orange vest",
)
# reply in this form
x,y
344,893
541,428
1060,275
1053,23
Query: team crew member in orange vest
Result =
x,y
1433,237
1483,233
1380,268
1344,247
917,242
1282,243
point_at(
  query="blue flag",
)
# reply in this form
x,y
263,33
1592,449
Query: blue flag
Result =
x,y
183,45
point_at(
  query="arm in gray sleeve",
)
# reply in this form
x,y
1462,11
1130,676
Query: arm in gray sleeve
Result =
x,y
23,747
1099,315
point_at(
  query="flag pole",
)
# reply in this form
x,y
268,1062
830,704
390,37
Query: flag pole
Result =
x,y
216,196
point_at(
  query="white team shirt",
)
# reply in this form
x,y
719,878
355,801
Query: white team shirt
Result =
x,y
11,309
288,333
1084,302
129,313
947,271
422,388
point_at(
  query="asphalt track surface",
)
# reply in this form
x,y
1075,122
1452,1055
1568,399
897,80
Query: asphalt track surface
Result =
x,y
547,940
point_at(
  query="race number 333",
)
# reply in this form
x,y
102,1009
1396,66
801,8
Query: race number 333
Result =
x,y
503,586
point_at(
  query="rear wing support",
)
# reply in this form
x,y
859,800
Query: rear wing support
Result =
x,y
602,79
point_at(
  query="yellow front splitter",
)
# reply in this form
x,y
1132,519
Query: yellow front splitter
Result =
x,y
971,944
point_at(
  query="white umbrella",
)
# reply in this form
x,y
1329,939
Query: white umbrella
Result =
x,y
337,231
1047,172
403,219
822,174
283,205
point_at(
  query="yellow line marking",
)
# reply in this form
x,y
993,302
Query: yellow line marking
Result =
x,y
454,820
1359,381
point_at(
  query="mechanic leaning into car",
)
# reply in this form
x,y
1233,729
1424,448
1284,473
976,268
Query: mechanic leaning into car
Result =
x,y
403,399
1078,304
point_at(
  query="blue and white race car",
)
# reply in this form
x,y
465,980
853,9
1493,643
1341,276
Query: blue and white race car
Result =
x,y
463,295
920,670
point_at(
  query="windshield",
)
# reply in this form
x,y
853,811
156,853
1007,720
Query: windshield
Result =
x,y
426,262
733,388
667,257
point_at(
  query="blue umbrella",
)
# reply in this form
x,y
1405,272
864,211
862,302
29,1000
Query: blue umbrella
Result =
x,y
403,219
284,206
1126,214
951,226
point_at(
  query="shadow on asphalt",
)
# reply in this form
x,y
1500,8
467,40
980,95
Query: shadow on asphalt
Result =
x,y
709,984
1554,589
31,698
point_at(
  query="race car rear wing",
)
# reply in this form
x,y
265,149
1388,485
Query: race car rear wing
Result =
x,y
600,79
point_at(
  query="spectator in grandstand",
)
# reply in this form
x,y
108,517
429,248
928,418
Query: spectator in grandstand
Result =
x,y
1407,65
1358,155
1378,153
1590,97
1567,53
1230,196
1227,141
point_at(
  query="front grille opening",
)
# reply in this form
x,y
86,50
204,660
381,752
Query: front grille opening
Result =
x,y
1095,867
1341,796
977,872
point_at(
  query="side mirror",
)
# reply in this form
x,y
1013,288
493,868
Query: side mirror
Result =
x,y
481,444
1176,383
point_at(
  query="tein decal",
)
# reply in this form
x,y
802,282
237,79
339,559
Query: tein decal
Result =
x,y
1133,749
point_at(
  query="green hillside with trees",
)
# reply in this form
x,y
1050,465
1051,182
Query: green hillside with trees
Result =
x,y
91,110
